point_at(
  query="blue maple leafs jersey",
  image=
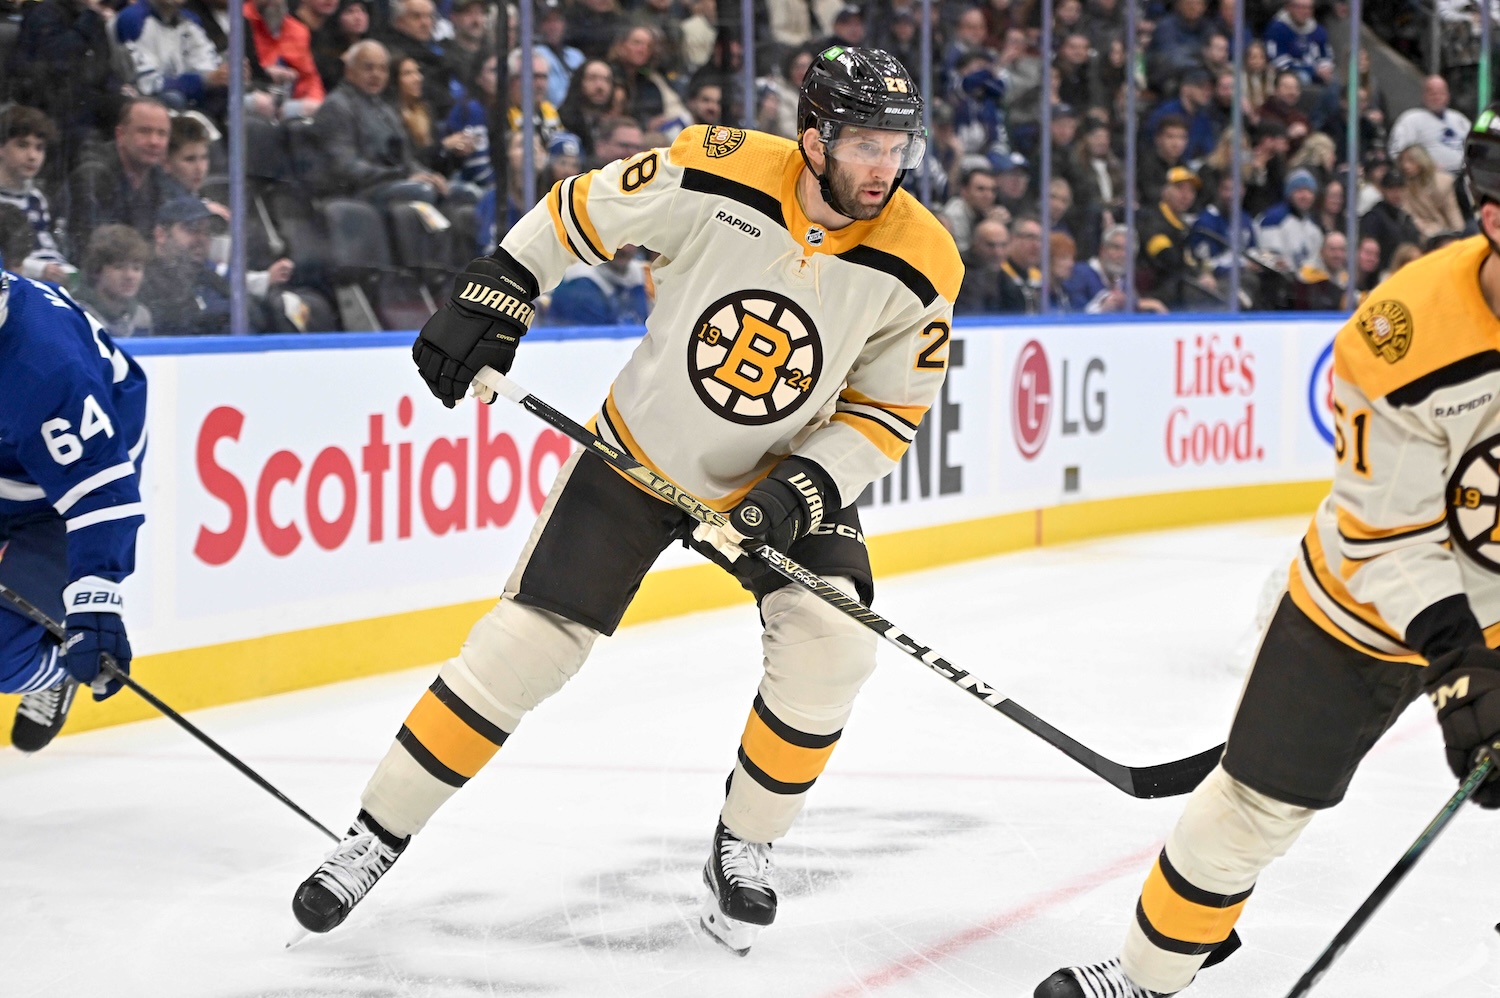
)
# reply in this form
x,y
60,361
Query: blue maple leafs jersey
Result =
x,y
72,428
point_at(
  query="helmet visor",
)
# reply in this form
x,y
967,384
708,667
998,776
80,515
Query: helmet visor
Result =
x,y
879,147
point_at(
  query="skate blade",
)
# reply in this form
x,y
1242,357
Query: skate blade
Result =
x,y
732,934
297,937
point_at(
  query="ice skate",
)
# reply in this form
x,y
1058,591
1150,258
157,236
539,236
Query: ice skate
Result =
x,y
41,716
1098,980
346,876
742,899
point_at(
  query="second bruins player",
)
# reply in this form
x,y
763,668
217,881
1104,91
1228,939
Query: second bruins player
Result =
x,y
800,333
1396,591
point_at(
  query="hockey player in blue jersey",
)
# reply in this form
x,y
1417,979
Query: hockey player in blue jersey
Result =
x,y
72,438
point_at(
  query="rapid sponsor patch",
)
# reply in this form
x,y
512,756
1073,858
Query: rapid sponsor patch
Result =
x,y
752,231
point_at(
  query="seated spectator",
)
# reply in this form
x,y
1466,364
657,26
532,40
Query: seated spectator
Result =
x,y
618,137
979,117
1168,144
649,98
611,294
471,43
283,48
438,155
187,159
563,59
349,24
1282,108
593,26
1258,79
1178,39
174,59
1265,173
1100,282
1435,126
902,37
126,185
1020,278
17,238
1191,106
1289,231
982,291
1317,156
315,13
1387,221
25,134
1167,267
213,18
664,17
490,228
1321,283
699,33
780,93
1011,182
1064,132
1404,254
1430,198
1208,238
1077,81
705,103
1096,173
564,157
1297,43
848,28
544,117
186,295
591,99
1079,225
64,65
366,151
1330,212
970,37
410,33
113,265
471,118
1063,254
975,199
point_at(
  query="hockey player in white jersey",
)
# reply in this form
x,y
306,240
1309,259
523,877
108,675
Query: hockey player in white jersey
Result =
x,y
800,333
72,438
1394,592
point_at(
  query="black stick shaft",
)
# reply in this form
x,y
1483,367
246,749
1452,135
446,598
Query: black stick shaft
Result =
x,y
1164,780
108,666
1403,866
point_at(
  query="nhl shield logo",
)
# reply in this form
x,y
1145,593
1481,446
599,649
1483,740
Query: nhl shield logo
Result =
x,y
721,140
1386,327
814,236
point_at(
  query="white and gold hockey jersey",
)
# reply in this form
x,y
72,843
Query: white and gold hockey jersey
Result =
x,y
1414,515
770,335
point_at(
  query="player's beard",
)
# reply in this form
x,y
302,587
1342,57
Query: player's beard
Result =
x,y
845,188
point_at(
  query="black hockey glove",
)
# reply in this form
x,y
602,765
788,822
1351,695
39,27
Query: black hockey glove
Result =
x,y
481,324
1465,689
786,505
94,629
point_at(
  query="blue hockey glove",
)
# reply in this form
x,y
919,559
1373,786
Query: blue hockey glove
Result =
x,y
94,628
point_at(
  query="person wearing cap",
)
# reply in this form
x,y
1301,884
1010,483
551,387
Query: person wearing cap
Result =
x,y
186,296
1388,601
1388,221
551,44
979,114
1289,231
847,29
1012,184
1064,134
564,157
1168,266
1195,92
472,40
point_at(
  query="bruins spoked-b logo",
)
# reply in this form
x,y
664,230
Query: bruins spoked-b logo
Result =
x,y
1386,327
1474,503
754,357
721,140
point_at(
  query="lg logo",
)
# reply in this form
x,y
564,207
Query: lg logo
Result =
x,y
1031,399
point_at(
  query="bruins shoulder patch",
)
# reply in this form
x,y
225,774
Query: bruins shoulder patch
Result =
x,y
1387,328
721,140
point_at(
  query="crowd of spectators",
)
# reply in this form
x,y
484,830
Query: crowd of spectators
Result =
x,y
113,152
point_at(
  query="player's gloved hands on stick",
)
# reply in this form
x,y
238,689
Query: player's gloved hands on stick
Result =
x,y
480,324
94,628
785,506
1465,689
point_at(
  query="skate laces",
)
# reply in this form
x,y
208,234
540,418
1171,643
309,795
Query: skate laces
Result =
x,y
1108,980
354,865
42,707
745,864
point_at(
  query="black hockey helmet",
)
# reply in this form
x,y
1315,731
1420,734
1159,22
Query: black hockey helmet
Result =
x,y
1482,158
862,88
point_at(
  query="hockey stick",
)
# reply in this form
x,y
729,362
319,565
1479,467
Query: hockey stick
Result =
x,y
1165,780
1403,866
107,665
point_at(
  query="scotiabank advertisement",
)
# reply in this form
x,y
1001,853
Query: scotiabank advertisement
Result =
x,y
295,488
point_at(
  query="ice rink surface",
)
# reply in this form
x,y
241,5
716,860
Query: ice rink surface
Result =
x,y
945,851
